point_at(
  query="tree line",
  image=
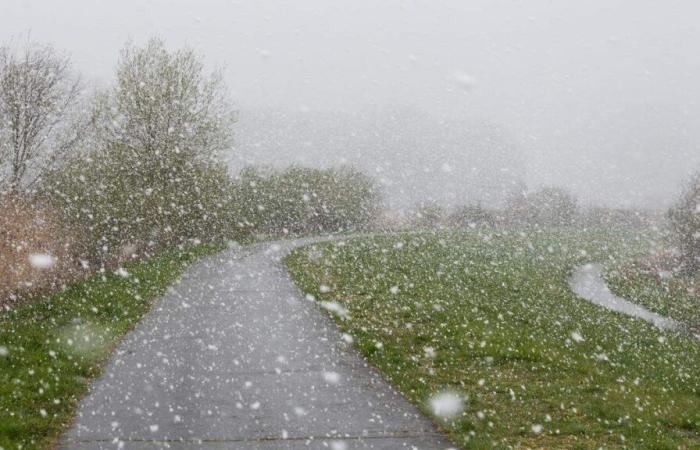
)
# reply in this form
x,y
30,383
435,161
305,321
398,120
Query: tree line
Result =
x,y
136,167
554,207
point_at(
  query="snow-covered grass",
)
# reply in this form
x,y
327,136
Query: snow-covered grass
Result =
x,y
537,366
50,348
673,295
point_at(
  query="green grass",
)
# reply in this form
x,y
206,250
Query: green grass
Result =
x,y
53,346
498,312
674,297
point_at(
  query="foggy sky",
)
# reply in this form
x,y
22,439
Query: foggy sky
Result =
x,y
598,96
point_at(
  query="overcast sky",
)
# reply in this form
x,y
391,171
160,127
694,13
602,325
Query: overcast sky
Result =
x,y
599,96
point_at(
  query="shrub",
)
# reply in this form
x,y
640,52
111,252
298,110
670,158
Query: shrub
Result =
x,y
685,224
471,216
624,218
547,207
124,205
305,200
428,215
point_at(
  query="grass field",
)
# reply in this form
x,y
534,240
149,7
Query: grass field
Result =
x,y
676,296
490,316
52,347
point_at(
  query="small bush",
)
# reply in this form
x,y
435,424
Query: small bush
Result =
x,y
544,208
301,200
685,225
124,205
428,215
472,216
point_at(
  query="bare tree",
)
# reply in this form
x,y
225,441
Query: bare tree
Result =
x,y
37,92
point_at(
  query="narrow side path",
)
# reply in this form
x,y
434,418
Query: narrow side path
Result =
x,y
233,356
587,281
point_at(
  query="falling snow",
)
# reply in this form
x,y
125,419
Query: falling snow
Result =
x,y
411,225
446,404
41,260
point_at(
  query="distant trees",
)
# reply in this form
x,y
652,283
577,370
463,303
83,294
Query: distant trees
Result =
x,y
164,107
553,206
471,216
549,207
119,204
601,217
305,200
429,215
684,217
546,207
37,92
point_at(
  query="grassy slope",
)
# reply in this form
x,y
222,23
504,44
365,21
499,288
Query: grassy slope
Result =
x,y
57,344
500,316
669,297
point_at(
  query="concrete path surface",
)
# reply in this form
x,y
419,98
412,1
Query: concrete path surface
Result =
x,y
233,356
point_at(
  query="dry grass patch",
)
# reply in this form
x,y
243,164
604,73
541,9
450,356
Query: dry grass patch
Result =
x,y
35,249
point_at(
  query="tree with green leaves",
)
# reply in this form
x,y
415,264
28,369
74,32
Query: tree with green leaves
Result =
x,y
472,216
164,106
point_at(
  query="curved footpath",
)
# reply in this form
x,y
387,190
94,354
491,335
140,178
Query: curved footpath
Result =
x,y
587,282
233,356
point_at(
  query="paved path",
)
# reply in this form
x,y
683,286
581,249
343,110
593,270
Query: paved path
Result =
x,y
587,281
233,356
